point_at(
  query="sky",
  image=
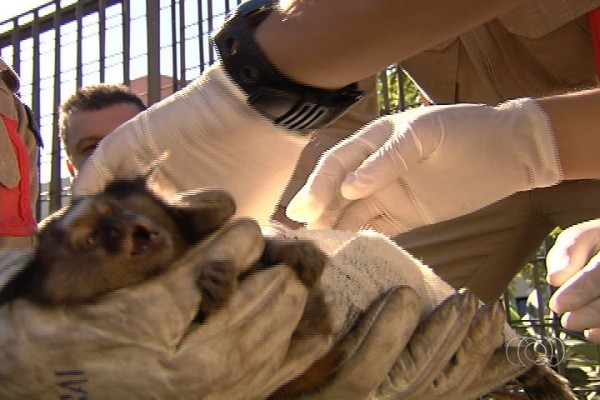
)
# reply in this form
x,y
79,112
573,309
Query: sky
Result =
x,y
11,8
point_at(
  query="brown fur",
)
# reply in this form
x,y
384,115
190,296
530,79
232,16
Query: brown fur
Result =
x,y
541,382
127,234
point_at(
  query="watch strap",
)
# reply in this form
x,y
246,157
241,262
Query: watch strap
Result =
x,y
287,103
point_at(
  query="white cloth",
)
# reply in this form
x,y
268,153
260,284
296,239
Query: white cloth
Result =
x,y
365,265
448,358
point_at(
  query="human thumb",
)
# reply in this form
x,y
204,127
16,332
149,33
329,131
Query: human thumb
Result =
x,y
572,250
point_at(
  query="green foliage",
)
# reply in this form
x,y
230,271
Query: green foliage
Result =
x,y
396,91
581,359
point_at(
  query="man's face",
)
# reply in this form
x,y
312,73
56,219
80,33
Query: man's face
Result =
x,y
85,128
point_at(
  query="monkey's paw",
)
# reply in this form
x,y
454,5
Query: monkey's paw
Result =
x,y
216,282
302,255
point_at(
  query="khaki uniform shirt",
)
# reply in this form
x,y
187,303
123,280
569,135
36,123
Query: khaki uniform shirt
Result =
x,y
539,49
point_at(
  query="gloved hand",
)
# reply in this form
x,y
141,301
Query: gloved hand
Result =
x,y
574,265
365,355
445,357
428,165
455,352
206,136
142,341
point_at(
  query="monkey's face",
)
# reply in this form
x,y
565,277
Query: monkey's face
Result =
x,y
110,232
114,239
97,245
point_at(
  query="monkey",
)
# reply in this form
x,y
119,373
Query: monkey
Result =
x,y
127,234
541,382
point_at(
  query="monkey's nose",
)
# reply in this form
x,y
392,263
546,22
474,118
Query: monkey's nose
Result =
x,y
116,232
113,228
143,239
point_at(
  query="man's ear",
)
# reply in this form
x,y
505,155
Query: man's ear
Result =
x,y
71,168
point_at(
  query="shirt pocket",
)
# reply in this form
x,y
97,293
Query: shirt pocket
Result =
x,y
565,51
538,18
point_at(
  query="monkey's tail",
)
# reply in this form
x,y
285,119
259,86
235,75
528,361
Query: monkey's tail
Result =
x,y
541,382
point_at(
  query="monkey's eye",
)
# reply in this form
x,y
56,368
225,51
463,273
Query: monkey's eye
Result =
x,y
91,241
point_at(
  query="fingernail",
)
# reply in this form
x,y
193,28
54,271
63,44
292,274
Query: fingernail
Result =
x,y
564,320
556,268
302,207
559,302
552,304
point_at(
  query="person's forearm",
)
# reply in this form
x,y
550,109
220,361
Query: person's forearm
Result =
x,y
576,123
331,43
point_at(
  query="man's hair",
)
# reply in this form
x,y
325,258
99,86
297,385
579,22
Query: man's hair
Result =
x,y
95,97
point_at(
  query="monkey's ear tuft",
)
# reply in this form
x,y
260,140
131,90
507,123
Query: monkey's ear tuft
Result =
x,y
204,211
154,166
122,188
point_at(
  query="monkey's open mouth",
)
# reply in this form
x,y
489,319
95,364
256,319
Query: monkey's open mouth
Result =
x,y
143,240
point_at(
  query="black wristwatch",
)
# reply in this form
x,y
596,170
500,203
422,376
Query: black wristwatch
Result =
x,y
288,104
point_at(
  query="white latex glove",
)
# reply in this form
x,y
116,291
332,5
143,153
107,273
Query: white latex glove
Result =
x,y
211,138
141,342
428,165
574,265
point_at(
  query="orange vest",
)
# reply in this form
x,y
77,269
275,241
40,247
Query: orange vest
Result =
x,y
16,215
19,149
